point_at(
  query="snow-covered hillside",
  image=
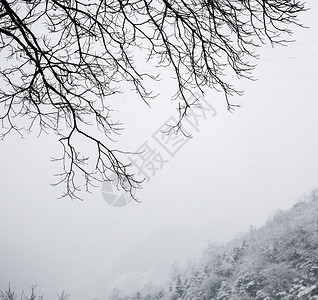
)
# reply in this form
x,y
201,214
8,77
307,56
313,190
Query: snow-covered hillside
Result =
x,y
276,261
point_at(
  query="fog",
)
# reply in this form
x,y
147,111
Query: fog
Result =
x,y
237,170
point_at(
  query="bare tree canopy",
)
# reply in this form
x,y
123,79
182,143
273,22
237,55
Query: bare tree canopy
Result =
x,y
61,60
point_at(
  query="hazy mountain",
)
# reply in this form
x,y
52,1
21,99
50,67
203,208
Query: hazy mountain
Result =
x,y
151,263
276,261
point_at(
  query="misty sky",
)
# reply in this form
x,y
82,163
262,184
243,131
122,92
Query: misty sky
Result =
x,y
237,170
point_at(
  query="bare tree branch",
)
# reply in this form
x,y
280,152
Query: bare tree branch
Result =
x,y
63,59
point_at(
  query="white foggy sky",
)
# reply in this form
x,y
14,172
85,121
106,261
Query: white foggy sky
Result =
x,y
236,171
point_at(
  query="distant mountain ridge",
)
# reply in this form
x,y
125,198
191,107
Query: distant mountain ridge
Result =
x,y
276,261
147,266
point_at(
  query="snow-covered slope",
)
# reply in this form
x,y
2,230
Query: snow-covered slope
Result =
x,y
152,262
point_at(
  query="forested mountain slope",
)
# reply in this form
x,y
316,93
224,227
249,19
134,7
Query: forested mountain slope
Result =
x,y
276,261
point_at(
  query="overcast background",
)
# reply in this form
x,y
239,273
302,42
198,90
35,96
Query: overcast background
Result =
x,y
235,172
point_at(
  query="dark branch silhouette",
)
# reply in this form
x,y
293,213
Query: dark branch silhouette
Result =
x,y
62,59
